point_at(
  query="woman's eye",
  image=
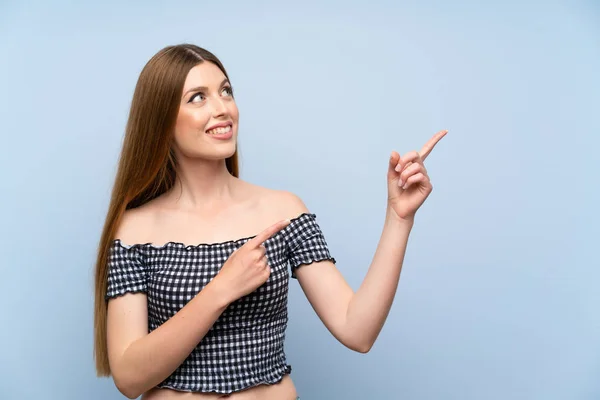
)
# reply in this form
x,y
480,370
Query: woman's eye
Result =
x,y
228,91
197,97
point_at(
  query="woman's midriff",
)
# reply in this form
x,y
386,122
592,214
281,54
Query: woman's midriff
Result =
x,y
282,390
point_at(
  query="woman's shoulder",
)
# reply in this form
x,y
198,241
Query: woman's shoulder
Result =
x,y
279,204
264,206
135,224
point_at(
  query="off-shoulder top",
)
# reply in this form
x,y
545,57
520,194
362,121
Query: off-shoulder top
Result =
x,y
245,346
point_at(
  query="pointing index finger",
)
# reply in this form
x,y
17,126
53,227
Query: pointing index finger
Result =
x,y
268,233
431,144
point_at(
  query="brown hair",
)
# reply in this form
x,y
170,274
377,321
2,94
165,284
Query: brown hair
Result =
x,y
147,164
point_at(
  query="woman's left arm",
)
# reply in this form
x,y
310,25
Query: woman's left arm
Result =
x,y
356,318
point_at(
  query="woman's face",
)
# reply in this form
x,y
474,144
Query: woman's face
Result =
x,y
207,123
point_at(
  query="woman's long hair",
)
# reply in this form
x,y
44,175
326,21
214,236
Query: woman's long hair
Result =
x,y
147,163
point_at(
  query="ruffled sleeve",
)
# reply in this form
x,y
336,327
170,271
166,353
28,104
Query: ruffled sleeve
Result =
x,y
126,271
307,242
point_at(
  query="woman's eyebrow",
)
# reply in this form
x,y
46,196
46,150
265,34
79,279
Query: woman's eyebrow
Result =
x,y
204,88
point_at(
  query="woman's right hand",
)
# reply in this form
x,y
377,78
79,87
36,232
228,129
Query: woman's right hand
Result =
x,y
247,268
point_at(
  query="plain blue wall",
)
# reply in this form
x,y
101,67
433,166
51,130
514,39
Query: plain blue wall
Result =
x,y
499,294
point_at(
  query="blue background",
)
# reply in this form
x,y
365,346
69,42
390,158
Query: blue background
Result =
x,y
499,294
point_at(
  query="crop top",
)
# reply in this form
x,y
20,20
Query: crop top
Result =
x,y
245,345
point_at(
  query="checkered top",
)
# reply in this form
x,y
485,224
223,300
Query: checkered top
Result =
x,y
245,346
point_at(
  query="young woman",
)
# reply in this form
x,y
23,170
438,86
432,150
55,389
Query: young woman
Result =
x,y
194,263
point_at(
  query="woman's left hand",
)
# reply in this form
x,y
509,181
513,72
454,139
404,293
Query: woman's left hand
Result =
x,y
408,182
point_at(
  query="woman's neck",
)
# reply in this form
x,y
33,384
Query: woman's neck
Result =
x,y
202,185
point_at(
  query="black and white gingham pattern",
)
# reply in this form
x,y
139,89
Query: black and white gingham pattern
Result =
x,y
245,346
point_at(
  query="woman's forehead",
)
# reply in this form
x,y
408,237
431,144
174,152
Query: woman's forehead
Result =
x,y
205,74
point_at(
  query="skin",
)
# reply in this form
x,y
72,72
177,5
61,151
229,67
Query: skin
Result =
x,y
212,206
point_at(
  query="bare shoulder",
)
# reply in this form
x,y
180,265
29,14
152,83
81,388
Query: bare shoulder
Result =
x,y
282,204
136,223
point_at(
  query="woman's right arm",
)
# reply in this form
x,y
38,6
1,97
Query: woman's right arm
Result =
x,y
140,360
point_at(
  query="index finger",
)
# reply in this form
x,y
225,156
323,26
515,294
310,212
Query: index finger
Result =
x,y
268,233
431,144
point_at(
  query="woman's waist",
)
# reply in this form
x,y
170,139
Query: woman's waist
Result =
x,y
282,390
